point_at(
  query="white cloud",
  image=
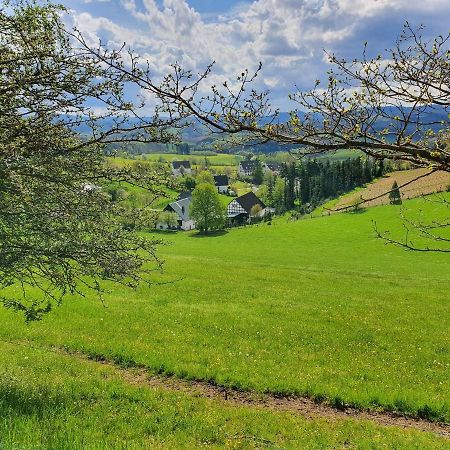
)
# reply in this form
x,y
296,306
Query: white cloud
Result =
x,y
288,36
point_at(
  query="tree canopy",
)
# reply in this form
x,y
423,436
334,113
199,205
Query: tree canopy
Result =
x,y
59,230
206,208
205,176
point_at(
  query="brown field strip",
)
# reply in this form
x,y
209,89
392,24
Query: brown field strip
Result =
x,y
372,194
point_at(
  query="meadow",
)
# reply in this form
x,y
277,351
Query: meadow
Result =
x,y
49,400
212,160
318,308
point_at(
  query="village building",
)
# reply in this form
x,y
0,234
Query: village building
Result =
x,y
239,211
222,183
181,209
247,167
180,168
272,167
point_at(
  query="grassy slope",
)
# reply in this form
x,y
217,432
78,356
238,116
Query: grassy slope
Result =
x,y
317,307
138,197
50,400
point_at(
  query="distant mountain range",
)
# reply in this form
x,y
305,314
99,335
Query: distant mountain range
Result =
x,y
197,134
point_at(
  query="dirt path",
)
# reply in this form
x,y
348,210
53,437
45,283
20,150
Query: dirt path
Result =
x,y
302,406
141,376
297,405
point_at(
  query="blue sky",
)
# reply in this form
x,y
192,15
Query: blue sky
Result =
x,y
288,36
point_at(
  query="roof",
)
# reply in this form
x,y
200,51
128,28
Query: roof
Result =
x,y
221,180
248,164
180,207
184,194
273,166
178,164
248,200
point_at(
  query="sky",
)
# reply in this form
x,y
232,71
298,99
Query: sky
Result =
x,y
289,37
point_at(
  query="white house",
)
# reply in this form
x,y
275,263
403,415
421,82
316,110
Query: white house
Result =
x,y
273,168
247,167
180,168
181,209
222,183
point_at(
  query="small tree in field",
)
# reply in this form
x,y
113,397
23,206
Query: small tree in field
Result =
x,y
394,196
206,209
255,211
357,204
205,176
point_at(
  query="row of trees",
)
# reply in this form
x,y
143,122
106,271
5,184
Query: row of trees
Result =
x,y
306,185
319,181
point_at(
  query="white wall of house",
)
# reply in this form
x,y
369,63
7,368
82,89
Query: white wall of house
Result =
x,y
188,225
265,211
181,171
222,189
243,172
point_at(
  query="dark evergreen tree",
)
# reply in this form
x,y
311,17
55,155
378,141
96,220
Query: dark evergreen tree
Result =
x,y
270,189
395,197
289,172
258,173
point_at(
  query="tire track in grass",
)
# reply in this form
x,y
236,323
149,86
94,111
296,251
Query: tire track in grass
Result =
x,y
303,406
140,375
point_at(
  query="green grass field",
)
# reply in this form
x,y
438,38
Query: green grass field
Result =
x,y
48,400
316,307
221,159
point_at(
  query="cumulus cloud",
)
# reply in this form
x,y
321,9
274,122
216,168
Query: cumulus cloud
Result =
x,y
287,36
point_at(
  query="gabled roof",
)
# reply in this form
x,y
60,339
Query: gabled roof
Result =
x,y
184,194
221,180
248,164
248,200
178,164
180,207
273,166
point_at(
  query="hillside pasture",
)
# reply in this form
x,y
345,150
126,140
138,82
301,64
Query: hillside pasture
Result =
x,y
377,193
216,163
317,308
